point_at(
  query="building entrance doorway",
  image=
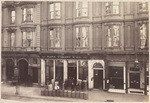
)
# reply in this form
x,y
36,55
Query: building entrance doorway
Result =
x,y
23,71
98,79
9,69
35,75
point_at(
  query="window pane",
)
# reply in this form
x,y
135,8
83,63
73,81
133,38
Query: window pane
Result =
x,y
24,14
51,38
57,39
115,7
85,4
12,19
77,37
51,7
57,6
85,12
116,36
143,36
84,36
12,39
12,13
52,15
109,40
57,14
29,35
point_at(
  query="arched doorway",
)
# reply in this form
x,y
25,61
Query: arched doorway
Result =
x,y
23,70
9,69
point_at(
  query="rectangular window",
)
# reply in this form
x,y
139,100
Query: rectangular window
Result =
x,y
12,39
83,70
55,10
143,36
27,39
27,14
13,15
82,36
142,7
116,77
81,9
115,7
112,36
55,37
108,8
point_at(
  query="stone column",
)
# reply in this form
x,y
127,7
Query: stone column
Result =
x,y
65,69
42,72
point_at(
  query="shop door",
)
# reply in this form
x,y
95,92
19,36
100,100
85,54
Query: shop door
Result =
x,y
98,79
135,80
72,74
35,75
59,74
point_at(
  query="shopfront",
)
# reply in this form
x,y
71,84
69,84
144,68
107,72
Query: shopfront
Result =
x,y
117,77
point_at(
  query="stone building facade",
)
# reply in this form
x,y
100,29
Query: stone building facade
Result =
x,y
102,43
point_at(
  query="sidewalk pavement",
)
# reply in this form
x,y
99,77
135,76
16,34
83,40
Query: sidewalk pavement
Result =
x,y
93,95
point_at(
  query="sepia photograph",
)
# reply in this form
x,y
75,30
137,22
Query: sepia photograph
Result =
x,y
75,51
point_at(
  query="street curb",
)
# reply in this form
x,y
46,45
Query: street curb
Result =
x,y
47,98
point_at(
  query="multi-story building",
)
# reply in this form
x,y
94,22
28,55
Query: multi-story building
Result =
x,y
21,40
103,43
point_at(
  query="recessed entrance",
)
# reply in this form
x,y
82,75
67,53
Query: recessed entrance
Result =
x,y
9,69
59,70
35,75
23,70
98,79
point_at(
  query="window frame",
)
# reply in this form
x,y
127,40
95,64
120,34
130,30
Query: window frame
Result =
x,y
55,10
57,29
80,8
11,39
112,32
12,16
26,39
81,27
25,16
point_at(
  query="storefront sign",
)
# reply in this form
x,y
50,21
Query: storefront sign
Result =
x,y
67,57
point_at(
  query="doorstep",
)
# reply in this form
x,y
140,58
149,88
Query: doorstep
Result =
x,y
136,91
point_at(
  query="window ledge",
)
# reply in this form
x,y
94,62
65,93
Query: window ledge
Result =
x,y
112,15
80,17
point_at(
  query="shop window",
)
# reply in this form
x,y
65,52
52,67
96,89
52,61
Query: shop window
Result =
x,y
143,37
49,71
13,16
54,37
12,39
112,39
55,10
27,40
83,70
135,80
142,6
27,14
81,9
82,36
115,77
